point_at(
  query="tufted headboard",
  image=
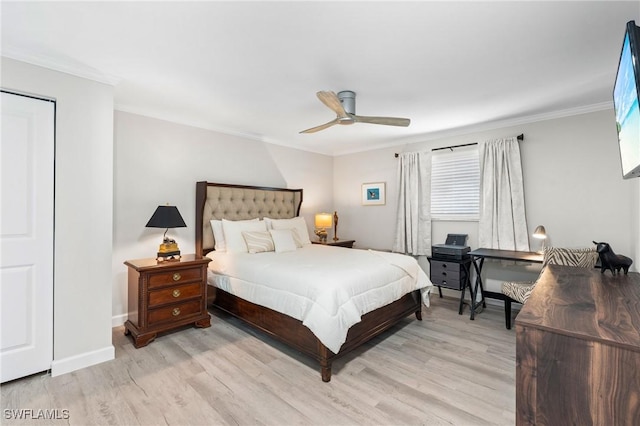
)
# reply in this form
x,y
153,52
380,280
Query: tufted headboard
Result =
x,y
239,202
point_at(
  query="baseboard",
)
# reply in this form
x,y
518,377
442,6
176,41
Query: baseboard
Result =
x,y
118,320
87,359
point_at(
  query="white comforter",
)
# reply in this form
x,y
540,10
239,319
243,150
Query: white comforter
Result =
x,y
327,288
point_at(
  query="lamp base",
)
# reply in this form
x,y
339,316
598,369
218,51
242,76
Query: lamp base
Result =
x,y
322,235
168,250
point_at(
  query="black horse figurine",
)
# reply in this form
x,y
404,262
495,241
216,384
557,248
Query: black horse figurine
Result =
x,y
612,261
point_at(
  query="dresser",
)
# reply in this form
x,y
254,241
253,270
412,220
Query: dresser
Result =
x,y
166,295
578,349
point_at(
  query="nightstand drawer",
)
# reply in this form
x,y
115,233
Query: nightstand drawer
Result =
x,y
445,270
175,312
453,283
175,277
174,294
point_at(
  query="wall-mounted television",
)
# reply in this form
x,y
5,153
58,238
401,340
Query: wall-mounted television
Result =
x,y
626,93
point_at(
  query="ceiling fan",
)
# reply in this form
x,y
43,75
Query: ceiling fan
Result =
x,y
344,105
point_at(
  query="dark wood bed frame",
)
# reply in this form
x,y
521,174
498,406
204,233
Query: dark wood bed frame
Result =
x,y
290,330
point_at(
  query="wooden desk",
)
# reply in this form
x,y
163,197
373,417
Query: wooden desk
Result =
x,y
480,254
578,349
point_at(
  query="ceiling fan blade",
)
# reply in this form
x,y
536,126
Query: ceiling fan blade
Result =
x,y
387,121
331,100
321,127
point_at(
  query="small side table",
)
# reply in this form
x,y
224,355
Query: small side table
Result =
x,y
339,243
166,295
454,274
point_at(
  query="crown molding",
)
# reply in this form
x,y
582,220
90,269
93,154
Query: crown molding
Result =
x,y
481,127
207,126
423,137
56,65
184,121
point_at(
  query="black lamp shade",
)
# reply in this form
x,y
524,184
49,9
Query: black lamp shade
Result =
x,y
166,217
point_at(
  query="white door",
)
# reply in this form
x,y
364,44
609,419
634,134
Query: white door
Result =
x,y
26,236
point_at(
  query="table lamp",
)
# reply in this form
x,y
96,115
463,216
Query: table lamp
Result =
x,y
541,234
322,222
167,217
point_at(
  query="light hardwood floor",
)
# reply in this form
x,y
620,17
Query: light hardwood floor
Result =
x,y
445,369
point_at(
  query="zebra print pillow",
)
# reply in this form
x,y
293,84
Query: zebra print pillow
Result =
x,y
258,241
581,257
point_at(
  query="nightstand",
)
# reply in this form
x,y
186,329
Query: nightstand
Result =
x,y
454,274
166,295
339,243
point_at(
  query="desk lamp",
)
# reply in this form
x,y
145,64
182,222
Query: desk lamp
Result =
x,y
167,217
541,234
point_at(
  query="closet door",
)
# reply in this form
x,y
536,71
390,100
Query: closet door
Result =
x,y
26,235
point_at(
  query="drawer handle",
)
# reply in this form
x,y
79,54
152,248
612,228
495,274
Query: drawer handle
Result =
x,y
176,277
444,265
444,273
176,293
175,312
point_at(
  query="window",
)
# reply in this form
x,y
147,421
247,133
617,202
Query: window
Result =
x,y
455,184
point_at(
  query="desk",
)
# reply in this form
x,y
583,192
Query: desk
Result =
x,y
480,254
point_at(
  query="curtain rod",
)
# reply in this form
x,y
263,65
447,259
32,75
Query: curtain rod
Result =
x,y
520,137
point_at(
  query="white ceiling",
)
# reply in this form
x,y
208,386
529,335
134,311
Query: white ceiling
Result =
x,y
253,68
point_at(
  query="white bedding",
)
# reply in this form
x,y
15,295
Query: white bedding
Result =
x,y
327,288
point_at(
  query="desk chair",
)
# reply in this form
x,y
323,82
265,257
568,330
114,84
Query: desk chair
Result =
x,y
520,291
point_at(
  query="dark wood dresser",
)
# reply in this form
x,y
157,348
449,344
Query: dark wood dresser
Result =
x,y
166,295
578,349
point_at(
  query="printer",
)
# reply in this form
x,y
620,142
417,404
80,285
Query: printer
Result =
x,y
454,248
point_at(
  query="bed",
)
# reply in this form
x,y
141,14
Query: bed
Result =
x,y
283,308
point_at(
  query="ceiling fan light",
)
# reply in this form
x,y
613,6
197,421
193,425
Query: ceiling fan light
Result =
x,y
348,101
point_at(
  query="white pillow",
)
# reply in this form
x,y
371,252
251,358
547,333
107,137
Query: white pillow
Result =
x,y
283,240
296,237
298,223
233,233
258,242
218,234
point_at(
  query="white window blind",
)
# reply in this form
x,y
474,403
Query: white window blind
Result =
x,y
455,184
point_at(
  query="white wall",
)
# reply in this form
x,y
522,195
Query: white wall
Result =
x,y
83,211
158,162
573,186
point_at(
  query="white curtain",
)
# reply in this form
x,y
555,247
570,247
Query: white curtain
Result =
x,y
503,224
413,222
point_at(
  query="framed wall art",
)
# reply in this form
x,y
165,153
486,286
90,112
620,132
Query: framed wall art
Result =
x,y
373,194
